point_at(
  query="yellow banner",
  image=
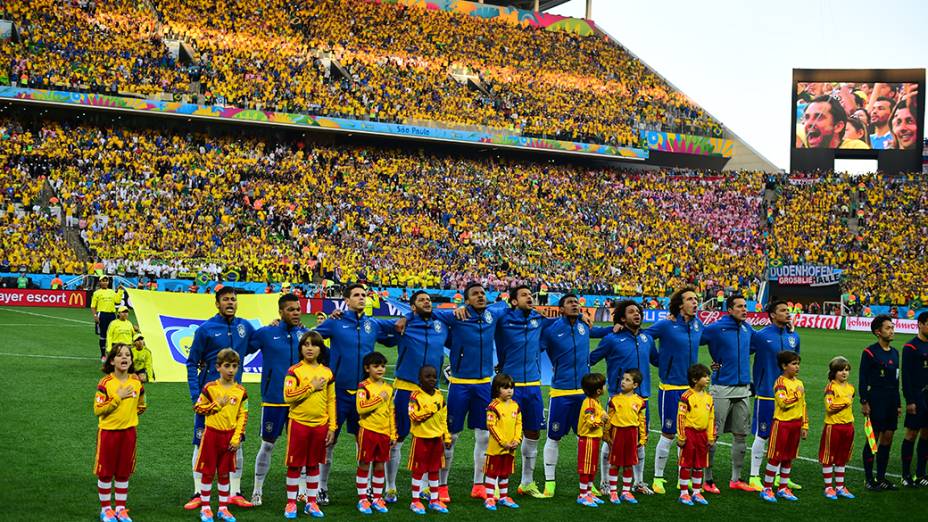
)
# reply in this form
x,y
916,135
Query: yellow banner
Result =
x,y
168,321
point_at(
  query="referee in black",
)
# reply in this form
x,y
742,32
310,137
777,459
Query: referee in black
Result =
x,y
879,398
915,392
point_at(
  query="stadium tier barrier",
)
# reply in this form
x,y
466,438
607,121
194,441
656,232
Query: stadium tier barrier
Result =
x,y
206,285
323,122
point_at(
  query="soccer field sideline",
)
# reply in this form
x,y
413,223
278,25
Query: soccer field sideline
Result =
x,y
161,483
390,379
656,432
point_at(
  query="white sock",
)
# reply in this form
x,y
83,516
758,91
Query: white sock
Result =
x,y
262,465
661,454
551,452
235,478
758,455
449,456
325,468
393,465
604,463
301,482
481,441
638,469
529,455
120,497
197,476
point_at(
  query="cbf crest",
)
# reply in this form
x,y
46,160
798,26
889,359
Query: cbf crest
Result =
x,y
581,329
241,331
487,316
436,326
792,341
533,323
367,327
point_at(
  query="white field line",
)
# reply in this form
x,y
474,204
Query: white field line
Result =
x,y
36,314
39,356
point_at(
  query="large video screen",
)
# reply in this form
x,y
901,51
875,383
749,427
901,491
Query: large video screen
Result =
x,y
855,115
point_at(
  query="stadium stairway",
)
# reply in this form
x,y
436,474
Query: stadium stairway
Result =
x,y
73,237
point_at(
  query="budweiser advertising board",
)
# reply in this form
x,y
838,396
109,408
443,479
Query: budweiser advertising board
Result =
x,y
56,298
862,324
821,322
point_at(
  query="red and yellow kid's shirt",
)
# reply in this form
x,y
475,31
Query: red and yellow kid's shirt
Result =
x,y
308,406
232,416
376,413
504,421
114,412
696,411
789,395
592,419
839,401
629,410
429,415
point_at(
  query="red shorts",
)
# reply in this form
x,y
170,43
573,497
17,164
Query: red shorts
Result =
x,y
214,455
784,440
588,455
836,445
497,466
115,453
305,444
426,455
624,448
695,453
373,446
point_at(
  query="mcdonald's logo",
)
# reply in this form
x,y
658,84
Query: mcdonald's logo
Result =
x,y
76,299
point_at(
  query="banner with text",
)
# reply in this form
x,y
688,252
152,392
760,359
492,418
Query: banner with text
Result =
x,y
862,324
310,121
804,275
169,320
55,298
756,319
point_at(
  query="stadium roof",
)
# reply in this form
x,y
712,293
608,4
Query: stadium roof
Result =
x,y
528,5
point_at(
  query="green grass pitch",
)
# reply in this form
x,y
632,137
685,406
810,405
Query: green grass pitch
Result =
x,y
49,370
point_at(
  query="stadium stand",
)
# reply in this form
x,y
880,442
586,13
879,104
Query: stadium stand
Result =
x,y
392,63
397,216
392,216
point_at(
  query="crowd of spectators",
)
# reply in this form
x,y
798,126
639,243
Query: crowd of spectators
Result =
x,y
391,63
291,210
392,216
111,48
31,234
868,225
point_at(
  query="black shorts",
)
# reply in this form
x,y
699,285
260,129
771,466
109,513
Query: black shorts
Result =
x,y
919,419
884,413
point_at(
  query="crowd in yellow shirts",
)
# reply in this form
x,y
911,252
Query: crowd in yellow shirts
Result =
x,y
395,65
25,227
286,210
868,225
115,47
289,211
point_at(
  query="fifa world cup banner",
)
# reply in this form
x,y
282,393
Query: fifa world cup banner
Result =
x,y
804,275
168,320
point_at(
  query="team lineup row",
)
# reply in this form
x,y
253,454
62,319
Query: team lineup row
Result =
x,y
519,335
